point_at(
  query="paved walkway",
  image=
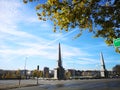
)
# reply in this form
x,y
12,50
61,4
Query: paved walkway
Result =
x,y
7,84
93,84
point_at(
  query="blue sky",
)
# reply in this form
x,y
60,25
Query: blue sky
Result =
x,y
25,38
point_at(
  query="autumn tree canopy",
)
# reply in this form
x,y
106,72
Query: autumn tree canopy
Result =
x,y
100,17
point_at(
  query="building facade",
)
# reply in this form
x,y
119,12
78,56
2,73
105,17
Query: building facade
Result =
x,y
46,72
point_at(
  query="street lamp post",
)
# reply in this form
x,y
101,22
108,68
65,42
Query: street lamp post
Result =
x,y
37,73
25,67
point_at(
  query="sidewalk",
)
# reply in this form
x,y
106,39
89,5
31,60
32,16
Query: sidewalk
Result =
x,y
10,84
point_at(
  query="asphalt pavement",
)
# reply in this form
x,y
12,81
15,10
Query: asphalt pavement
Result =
x,y
91,84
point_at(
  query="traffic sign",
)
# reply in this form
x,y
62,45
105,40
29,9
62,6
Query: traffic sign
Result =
x,y
116,42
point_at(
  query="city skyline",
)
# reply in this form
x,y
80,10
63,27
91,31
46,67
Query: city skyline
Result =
x,y
26,40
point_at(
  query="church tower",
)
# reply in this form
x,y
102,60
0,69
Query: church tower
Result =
x,y
103,69
59,72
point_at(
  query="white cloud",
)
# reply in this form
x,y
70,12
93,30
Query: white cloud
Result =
x,y
74,51
85,61
28,44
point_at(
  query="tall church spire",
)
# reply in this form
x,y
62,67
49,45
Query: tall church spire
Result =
x,y
59,57
103,69
102,61
59,72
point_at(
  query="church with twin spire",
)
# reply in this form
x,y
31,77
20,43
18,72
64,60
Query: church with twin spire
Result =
x,y
59,72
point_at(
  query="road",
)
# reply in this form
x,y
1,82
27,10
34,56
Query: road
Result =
x,y
93,84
